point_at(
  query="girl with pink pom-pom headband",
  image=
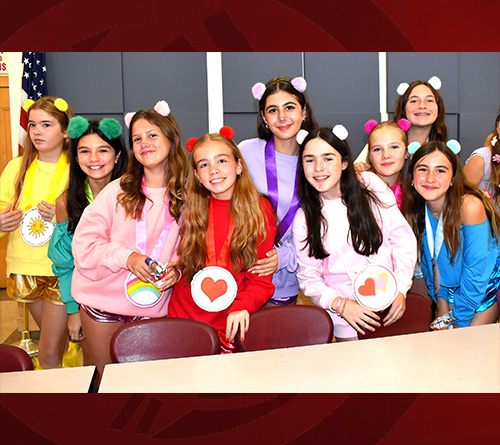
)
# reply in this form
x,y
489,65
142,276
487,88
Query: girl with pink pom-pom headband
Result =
x,y
161,108
258,90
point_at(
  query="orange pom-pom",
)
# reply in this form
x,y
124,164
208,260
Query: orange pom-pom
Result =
x,y
227,132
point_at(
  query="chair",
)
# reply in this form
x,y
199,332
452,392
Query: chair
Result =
x,y
285,327
13,358
416,318
163,338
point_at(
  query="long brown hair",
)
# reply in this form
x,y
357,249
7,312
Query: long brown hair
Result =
x,y
249,218
495,166
439,131
46,104
132,197
413,205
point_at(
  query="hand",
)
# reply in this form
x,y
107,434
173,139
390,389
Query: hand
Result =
x,y
266,266
360,317
136,263
47,211
10,219
397,310
362,167
75,327
170,278
235,320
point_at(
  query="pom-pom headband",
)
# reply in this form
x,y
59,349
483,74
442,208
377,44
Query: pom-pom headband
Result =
x,y
78,125
452,144
299,83
59,103
434,82
161,108
339,130
403,123
226,131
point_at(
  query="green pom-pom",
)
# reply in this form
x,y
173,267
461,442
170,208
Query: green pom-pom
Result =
x,y
110,127
77,126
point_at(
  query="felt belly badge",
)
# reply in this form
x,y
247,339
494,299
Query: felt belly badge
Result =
x,y
375,287
214,288
35,231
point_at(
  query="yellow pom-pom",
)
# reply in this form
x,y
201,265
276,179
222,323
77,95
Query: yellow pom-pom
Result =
x,y
61,104
27,104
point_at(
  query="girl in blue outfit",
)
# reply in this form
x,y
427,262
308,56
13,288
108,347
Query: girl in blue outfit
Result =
x,y
97,156
457,228
272,160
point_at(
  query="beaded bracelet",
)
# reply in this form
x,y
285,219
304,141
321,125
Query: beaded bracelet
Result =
x,y
343,307
337,309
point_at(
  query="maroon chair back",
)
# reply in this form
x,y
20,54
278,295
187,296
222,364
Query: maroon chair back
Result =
x,y
163,338
13,358
416,318
285,327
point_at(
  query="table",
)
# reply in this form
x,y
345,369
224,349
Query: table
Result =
x,y
60,380
457,360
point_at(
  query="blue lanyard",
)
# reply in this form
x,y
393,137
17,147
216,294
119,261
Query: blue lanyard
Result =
x,y
435,243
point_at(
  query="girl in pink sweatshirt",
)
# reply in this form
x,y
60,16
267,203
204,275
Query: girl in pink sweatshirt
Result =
x,y
346,222
132,223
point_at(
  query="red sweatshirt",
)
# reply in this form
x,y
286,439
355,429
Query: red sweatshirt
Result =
x,y
253,291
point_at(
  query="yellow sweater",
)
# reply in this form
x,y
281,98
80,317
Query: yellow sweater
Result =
x,y
21,257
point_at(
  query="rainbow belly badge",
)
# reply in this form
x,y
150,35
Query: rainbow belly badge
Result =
x,y
375,287
140,294
35,231
213,288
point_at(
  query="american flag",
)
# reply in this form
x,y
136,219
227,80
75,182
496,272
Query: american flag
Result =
x,y
34,87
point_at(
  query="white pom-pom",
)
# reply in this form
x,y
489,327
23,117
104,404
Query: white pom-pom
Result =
x,y
301,135
340,131
435,82
162,108
402,87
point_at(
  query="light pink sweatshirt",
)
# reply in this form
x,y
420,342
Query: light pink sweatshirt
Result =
x,y
324,280
103,241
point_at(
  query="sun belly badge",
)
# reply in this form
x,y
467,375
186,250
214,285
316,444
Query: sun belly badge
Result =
x,y
35,231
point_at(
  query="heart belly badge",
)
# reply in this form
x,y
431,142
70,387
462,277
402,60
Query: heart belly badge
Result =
x,y
213,288
375,287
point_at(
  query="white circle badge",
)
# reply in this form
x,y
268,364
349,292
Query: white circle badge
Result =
x,y
35,231
141,294
375,287
213,288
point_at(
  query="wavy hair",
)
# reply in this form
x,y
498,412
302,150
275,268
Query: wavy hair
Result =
x,y
365,233
76,198
132,197
46,104
439,131
495,166
249,218
413,205
283,83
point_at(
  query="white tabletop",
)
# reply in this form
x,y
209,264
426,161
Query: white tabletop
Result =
x,y
61,380
457,360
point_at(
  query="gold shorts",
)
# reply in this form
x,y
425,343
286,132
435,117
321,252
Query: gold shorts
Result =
x,y
30,289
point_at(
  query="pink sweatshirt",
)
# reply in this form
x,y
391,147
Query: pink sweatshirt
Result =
x,y
324,280
103,241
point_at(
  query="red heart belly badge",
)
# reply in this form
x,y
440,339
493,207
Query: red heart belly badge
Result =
x,y
368,288
213,289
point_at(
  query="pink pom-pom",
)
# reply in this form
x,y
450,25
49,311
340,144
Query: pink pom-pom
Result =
x,y
128,117
370,125
162,108
227,132
299,83
190,144
404,124
258,90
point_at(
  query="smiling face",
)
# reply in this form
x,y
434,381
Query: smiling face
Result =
x,y
421,108
96,157
46,134
432,177
387,153
283,114
217,169
151,147
323,167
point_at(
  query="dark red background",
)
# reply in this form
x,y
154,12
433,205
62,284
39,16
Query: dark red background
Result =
x,y
216,25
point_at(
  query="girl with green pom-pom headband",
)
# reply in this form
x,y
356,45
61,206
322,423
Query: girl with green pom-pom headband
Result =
x,y
29,187
458,232
97,156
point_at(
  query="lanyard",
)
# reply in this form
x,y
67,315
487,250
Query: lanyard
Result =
x,y
88,191
435,243
272,188
57,176
224,253
141,235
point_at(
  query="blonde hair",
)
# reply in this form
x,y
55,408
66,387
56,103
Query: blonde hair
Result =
x,y
249,218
